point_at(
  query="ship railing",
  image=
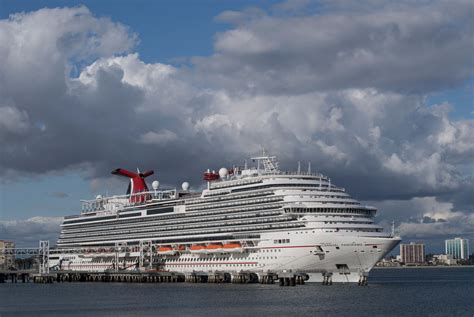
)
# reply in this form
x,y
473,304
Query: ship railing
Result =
x,y
118,202
278,172
301,173
247,243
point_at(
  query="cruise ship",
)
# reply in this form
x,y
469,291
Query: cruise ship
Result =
x,y
249,219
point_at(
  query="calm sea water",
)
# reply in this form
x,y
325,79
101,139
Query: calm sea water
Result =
x,y
391,292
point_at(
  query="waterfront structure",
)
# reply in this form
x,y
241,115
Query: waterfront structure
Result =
x,y
412,253
458,248
388,262
445,259
6,260
249,219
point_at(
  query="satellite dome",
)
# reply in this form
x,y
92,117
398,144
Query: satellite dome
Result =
x,y
155,185
223,172
98,197
185,186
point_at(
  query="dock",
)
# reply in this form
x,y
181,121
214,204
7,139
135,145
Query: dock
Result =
x,y
16,276
282,279
142,274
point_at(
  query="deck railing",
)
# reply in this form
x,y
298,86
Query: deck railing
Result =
x,y
118,202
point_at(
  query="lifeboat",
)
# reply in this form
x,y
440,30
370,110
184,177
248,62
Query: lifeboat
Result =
x,y
233,247
214,247
180,248
198,249
166,250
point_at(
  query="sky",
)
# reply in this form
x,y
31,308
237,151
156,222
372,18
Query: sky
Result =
x,y
377,95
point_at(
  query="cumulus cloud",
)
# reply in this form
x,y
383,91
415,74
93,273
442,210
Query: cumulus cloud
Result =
x,y
458,225
391,47
13,121
160,138
426,218
27,233
345,89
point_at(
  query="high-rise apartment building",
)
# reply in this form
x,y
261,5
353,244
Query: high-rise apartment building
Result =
x,y
6,260
413,253
458,248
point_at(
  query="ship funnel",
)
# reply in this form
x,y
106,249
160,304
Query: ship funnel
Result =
x,y
137,183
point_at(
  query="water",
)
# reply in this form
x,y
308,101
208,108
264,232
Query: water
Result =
x,y
391,292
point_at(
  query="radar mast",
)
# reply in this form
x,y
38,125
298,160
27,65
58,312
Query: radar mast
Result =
x,y
270,163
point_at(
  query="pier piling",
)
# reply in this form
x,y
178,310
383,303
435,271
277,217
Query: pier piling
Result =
x,y
284,279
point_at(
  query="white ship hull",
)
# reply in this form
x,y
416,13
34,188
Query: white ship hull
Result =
x,y
344,258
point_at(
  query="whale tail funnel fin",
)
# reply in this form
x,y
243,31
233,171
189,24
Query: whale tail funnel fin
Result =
x,y
137,184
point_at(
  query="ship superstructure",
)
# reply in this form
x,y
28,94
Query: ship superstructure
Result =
x,y
256,219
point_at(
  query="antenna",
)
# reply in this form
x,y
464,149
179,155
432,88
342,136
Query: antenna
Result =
x,y
299,167
270,164
393,228
309,168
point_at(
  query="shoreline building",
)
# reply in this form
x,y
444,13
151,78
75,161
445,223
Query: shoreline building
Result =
x,y
413,253
458,248
6,260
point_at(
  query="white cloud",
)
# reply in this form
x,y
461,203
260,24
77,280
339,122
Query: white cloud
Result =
x,y
458,225
331,151
40,43
213,122
161,138
426,217
341,48
13,121
244,42
27,233
135,71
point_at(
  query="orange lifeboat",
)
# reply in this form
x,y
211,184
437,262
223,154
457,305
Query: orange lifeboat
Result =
x,y
214,247
166,250
233,247
180,248
198,249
